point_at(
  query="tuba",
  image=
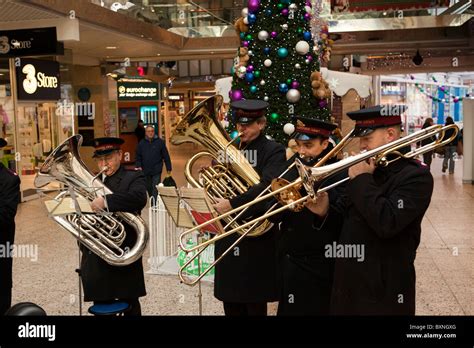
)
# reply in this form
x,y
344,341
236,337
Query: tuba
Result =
x,y
103,234
232,174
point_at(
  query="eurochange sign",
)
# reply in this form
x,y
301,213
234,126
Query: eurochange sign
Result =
x,y
38,80
137,91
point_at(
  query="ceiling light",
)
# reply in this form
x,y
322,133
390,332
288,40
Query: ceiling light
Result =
x,y
111,47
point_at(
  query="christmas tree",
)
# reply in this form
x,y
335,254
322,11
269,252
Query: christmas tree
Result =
x,y
278,61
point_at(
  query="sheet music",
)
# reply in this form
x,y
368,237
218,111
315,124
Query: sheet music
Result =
x,y
66,206
171,200
201,208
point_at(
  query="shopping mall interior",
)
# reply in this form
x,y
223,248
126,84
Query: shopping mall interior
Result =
x,y
109,63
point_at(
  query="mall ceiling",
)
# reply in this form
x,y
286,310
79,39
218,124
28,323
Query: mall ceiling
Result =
x,y
112,37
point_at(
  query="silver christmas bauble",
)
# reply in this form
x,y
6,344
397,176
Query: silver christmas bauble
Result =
x,y
245,12
284,26
302,47
267,63
289,128
265,98
263,35
293,7
293,95
297,66
262,83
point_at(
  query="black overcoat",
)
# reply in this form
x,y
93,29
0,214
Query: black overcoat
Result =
x,y
248,273
104,282
9,199
306,275
383,213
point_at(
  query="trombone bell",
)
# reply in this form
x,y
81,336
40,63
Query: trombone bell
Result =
x,y
289,196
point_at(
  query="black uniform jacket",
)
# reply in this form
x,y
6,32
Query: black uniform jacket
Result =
x,y
9,199
306,275
382,215
101,281
247,274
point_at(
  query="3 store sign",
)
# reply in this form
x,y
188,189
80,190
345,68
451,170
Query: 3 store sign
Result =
x,y
33,81
29,43
6,46
38,80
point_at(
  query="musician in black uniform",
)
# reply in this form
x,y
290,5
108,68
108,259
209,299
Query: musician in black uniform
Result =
x,y
382,224
245,279
102,282
9,199
306,274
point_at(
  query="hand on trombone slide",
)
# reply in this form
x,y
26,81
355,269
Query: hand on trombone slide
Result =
x,y
319,205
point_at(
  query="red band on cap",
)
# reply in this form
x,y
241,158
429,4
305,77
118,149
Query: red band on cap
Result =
x,y
107,147
380,121
250,114
315,131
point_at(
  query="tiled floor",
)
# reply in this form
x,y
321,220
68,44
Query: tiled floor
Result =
x,y
445,261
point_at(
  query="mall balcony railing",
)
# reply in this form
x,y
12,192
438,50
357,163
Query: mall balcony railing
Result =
x,y
214,18
187,18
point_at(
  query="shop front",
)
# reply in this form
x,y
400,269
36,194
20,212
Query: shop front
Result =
x,y
138,99
29,91
37,125
435,96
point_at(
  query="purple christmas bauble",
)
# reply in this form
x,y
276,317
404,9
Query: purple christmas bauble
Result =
x,y
307,16
309,57
245,43
295,84
284,12
323,104
253,5
273,34
236,95
250,68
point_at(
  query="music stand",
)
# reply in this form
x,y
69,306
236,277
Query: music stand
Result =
x,y
187,208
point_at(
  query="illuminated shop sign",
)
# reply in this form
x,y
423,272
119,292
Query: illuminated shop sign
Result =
x,y
38,80
137,91
29,42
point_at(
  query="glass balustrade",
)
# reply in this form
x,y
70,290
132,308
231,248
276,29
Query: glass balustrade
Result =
x,y
215,18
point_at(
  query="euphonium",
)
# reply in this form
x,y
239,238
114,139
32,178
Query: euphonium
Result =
x,y
103,234
232,174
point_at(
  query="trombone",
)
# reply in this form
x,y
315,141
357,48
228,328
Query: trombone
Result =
x,y
312,178
276,188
